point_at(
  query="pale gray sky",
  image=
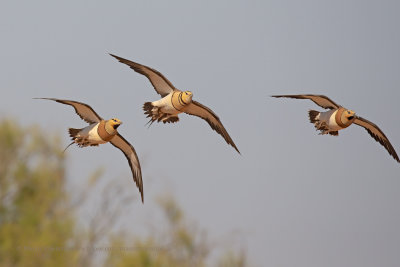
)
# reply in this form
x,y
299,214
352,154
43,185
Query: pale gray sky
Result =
x,y
297,198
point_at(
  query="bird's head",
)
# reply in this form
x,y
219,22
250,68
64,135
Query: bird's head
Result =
x,y
348,116
187,96
113,123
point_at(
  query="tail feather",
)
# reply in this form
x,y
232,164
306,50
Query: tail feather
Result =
x,y
68,146
313,116
148,109
73,132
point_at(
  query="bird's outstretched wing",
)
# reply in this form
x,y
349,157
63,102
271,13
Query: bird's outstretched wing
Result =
x,y
119,142
84,111
320,100
199,110
161,84
377,134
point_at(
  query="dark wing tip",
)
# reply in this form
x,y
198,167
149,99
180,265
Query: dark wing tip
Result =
x,y
117,57
46,98
291,96
288,96
230,142
49,98
120,59
234,146
218,126
136,172
382,139
224,133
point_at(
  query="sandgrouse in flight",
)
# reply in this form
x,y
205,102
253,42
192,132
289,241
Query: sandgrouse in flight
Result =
x,y
100,132
174,102
338,118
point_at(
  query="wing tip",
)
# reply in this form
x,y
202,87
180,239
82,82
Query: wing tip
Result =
x,y
283,96
234,146
395,156
116,57
46,98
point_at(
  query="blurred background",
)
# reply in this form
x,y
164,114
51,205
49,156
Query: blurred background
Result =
x,y
293,198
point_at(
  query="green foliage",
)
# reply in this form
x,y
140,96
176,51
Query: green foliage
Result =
x,y
34,215
232,259
181,244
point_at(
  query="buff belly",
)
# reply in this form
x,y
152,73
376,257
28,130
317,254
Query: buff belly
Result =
x,y
91,135
328,118
165,105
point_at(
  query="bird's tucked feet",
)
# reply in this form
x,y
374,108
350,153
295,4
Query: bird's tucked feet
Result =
x,y
334,133
76,138
322,127
319,126
170,119
155,114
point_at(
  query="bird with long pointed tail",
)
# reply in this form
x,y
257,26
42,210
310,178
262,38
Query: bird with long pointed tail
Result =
x,y
102,131
174,102
339,118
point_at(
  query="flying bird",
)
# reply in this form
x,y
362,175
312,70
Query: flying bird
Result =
x,y
174,102
102,131
339,118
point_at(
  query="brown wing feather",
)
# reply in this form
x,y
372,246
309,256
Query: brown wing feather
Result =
x,y
84,111
377,134
133,160
161,84
199,110
320,100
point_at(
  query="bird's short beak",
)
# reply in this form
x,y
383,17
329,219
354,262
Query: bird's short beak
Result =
x,y
117,125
